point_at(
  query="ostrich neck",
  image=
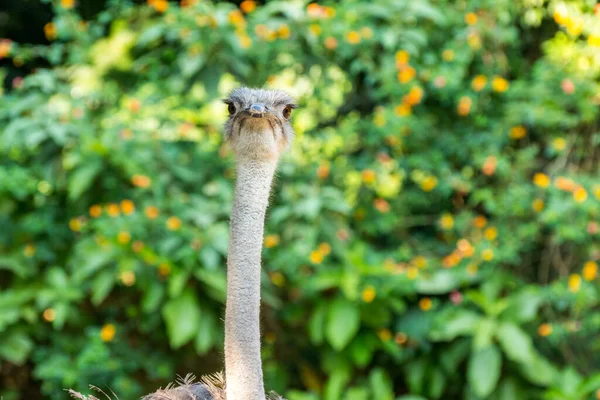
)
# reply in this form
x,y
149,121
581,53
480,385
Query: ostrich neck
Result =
x,y
243,368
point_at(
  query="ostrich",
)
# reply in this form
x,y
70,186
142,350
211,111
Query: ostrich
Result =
x,y
259,131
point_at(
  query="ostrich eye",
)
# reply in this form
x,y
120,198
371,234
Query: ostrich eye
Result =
x,y
287,111
231,109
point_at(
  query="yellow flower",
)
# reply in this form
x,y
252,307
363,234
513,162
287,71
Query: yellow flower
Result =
x,y
472,269
580,195
315,29
173,223
538,205
137,246
127,278
412,273
95,211
353,37
403,110
499,84
474,41
448,55
447,221
545,330
480,221
384,334
368,294
368,176
67,4
151,212
164,269
518,132
487,254
127,207
244,41
29,250
283,31
316,257
402,57
542,180
124,237
236,18
597,192
107,333
490,233
75,224
479,83
271,241
429,183
324,248
366,32
590,271
594,40
425,304
471,18
419,262
574,283
559,144
406,74
49,314
278,279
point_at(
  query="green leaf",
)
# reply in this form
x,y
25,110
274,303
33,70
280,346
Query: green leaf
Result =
x,y
82,179
101,286
182,316
343,321
484,333
515,342
381,385
439,282
484,370
456,322
15,347
206,333
316,324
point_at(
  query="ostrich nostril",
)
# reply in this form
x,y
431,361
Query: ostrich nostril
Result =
x,y
257,110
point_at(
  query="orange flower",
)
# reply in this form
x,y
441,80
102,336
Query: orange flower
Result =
x,y
425,304
406,74
368,294
271,241
5,47
159,5
49,314
400,338
382,205
151,212
499,84
278,279
331,43
464,106
95,211
173,223
489,166
542,180
480,221
518,132
164,269
403,110
368,176
538,205
590,271
471,18
141,181
479,83
137,246
113,210
574,283
127,278
414,96
324,248
248,6
545,330
353,37
50,31
127,207
107,333
465,247
323,171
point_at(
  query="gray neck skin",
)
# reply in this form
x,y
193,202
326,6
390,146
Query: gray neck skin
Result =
x,y
243,368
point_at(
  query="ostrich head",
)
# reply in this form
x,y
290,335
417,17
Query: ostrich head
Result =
x,y
258,127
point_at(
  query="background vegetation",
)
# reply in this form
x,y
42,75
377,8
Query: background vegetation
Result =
x,y
434,231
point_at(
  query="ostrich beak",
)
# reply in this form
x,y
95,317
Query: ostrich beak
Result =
x,y
257,110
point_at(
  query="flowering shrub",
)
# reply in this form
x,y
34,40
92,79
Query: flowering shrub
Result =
x,y
433,232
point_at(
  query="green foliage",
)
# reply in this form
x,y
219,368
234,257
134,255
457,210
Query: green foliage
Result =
x,y
433,231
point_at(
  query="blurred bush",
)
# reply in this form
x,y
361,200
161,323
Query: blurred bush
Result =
x,y
433,233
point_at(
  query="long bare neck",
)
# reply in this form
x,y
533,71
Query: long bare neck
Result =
x,y
243,368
